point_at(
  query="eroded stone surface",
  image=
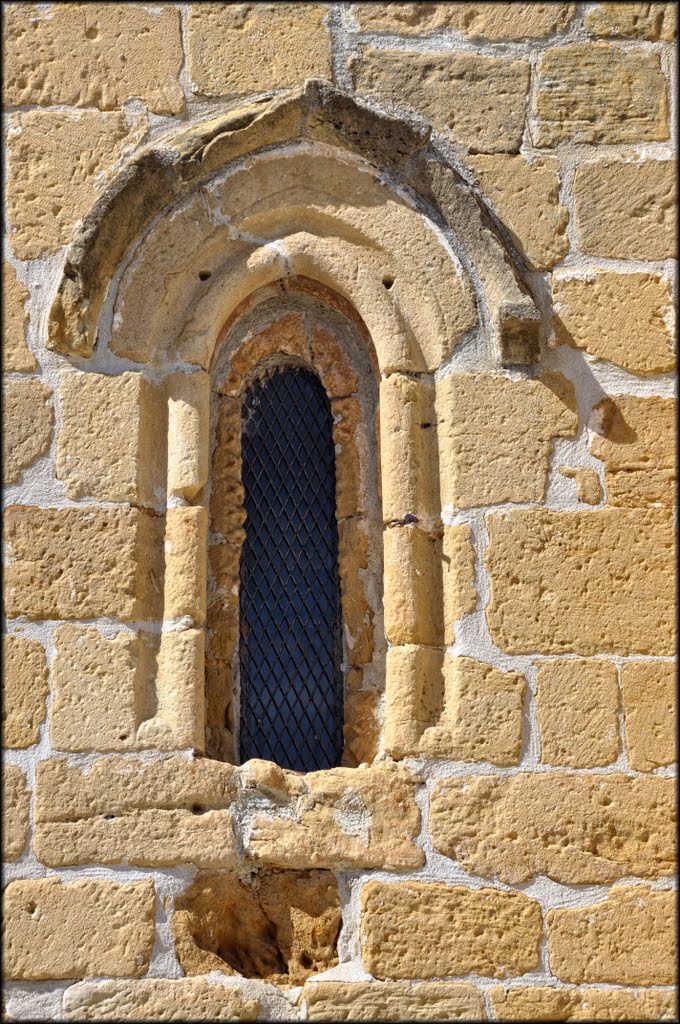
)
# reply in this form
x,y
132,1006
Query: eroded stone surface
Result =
x,y
458,577
626,210
491,21
600,94
280,925
479,101
653,21
27,420
427,929
526,198
578,702
157,999
80,563
57,160
112,439
486,459
24,690
649,703
57,930
255,47
17,358
574,828
625,319
628,938
635,438
587,1004
392,1001
595,582
155,814
15,803
413,586
588,487
343,817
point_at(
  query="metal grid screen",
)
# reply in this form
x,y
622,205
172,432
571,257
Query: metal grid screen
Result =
x,y
290,649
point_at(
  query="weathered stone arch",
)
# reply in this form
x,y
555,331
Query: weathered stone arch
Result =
x,y
181,178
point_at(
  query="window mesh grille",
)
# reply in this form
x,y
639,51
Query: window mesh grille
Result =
x,y
290,650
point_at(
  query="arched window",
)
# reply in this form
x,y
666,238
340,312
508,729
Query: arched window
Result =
x,y
290,644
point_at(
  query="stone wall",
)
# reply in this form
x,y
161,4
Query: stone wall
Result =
x,y
465,215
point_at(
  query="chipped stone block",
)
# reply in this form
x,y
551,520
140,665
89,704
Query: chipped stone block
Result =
x,y
27,421
55,930
113,438
577,702
492,21
188,433
253,47
460,594
649,703
626,210
24,691
408,449
15,804
574,828
628,938
427,929
637,21
623,318
524,1003
495,436
85,56
595,582
413,582
588,488
478,101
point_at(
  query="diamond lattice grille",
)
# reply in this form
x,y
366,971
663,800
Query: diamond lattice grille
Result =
x,y
290,650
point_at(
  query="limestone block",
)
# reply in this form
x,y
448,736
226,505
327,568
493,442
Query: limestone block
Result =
x,y
331,362
184,585
649,713
17,358
287,336
427,929
81,56
597,93
582,582
24,691
57,163
188,433
56,930
413,586
177,718
340,818
493,21
638,21
362,727
628,938
154,814
626,319
588,488
587,1004
15,803
81,563
526,199
635,438
578,701
458,582
280,925
478,101
451,707
350,492
27,420
96,690
495,435
572,827
626,210
113,437
157,999
392,1001
408,449
357,614
254,48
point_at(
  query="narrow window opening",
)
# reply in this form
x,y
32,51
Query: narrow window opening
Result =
x,y
290,647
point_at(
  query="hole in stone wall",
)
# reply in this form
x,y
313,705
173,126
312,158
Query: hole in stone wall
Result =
x,y
279,925
387,281
204,275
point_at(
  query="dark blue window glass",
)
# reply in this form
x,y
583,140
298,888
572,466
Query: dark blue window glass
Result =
x,y
290,651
